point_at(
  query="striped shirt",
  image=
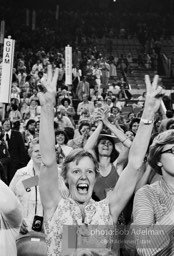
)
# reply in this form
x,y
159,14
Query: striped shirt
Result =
x,y
153,214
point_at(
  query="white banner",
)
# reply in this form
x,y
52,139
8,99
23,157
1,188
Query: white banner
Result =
x,y
68,65
7,70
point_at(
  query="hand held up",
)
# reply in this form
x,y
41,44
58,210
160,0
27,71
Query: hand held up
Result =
x,y
154,94
48,95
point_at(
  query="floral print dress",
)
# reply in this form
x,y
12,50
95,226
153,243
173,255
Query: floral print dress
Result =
x,y
94,228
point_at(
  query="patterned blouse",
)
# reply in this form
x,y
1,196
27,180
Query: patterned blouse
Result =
x,y
92,228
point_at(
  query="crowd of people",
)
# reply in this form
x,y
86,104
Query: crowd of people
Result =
x,y
78,174
73,158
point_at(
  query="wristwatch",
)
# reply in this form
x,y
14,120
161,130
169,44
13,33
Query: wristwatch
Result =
x,y
146,121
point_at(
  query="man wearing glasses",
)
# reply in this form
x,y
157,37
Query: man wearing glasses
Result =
x,y
154,204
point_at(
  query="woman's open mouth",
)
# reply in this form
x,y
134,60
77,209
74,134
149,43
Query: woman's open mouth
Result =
x,y
82,188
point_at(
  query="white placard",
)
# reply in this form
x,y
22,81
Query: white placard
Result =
x,y
68,65
7,70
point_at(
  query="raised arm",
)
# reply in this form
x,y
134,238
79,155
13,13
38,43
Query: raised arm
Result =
x,y
117,132
48,181
10,206
92,140
123,155
129,177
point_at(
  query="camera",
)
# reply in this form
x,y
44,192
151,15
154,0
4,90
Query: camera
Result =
x,y
37,223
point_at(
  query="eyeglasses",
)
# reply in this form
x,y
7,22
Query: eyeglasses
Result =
x,y
170,150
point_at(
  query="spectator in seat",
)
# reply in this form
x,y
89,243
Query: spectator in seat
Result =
x,y
85,105
96,96
105,69
61,119
16,148
109,103
14,114
31,205
62,149
83,88
34,109
70,111
30,132
97,73
64,94
133,126
4,158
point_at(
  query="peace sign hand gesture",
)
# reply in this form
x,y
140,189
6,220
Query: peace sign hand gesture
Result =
x,y
47,96
154,94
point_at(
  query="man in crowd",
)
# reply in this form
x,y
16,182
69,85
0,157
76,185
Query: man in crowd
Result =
x,y
85,105
16,148
83,88
61,119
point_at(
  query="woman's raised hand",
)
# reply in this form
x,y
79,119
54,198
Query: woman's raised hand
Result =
x,y
48,95
102,114
154,93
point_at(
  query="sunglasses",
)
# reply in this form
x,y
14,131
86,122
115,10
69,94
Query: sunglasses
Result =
x,y
170,150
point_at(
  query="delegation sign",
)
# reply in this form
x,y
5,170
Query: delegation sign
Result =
x,y
68,65
7,70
